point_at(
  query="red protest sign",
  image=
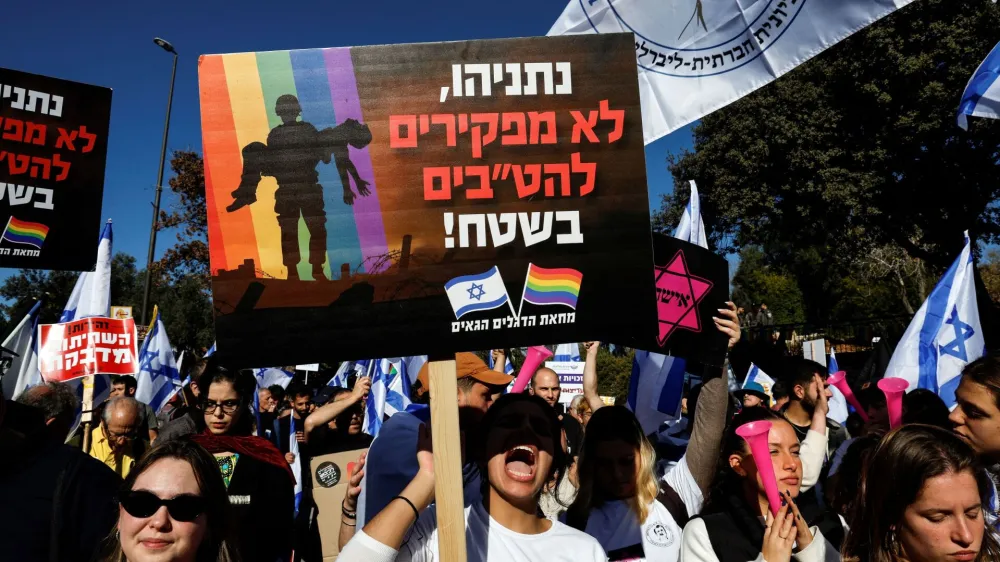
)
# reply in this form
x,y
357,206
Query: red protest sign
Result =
x,y
86,347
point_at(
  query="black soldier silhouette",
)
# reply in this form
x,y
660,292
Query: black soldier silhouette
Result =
x,y
292,152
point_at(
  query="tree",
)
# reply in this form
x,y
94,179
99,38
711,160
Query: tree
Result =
x,y
756,282
989,270
860,141
188,259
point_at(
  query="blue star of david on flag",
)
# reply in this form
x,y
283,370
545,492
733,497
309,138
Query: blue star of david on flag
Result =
x,y
476,292
963,331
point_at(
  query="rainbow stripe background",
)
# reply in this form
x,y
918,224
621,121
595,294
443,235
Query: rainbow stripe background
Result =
x,y
238,94
24,232
552,286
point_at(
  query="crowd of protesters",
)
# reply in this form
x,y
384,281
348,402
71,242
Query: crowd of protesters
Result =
x,y
212,479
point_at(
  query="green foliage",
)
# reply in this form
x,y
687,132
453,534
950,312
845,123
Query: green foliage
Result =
x,y
755,282
854,151
613,374
188,259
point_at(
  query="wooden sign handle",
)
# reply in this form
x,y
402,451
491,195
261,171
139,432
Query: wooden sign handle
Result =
x,y
87,410
449,495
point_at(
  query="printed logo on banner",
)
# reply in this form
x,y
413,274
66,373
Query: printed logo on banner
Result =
x,y
53,144
25,233
678,293
669,42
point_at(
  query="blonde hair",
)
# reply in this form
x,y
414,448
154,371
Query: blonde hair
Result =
x,y
614,423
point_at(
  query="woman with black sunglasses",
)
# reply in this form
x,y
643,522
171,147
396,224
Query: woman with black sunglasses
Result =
x,y
255,473
173,509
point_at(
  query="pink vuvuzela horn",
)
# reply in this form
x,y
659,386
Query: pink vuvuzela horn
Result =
x,y
894,390
536,356
755,434
839,380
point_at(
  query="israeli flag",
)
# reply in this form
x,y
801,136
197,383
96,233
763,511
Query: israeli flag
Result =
x,y
375,404
91,295
390,392
272,376
484,291
692,228
944,336
567,352
293,448
758,377
23,341
838,403
346,369
655,389
981,97
158,377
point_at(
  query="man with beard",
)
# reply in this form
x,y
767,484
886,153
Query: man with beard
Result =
x,y
336,426
804,395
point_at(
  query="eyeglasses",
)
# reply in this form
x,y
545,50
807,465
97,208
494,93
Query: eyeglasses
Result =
x,y
114,436
142,504
228,406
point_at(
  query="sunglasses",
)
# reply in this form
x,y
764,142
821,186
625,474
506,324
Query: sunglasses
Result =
x,y
185,507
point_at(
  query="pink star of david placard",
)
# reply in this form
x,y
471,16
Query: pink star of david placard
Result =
x,y
677,296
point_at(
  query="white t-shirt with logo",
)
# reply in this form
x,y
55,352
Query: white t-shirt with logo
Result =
x,y
658,538
485,541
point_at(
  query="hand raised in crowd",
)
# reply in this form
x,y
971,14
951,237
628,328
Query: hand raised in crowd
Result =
x,y
778,536
361,388
289,458
822,402
498,356
803,535
728,322
592,347
354,485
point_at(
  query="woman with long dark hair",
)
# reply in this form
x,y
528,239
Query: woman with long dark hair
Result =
x,y
517,451
923,498
173,508
737,524
621,502
257,477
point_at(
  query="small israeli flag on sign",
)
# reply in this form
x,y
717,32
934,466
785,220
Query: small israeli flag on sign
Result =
x,y
483,291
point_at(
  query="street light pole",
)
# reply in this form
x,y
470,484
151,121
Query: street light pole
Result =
x,y
166,46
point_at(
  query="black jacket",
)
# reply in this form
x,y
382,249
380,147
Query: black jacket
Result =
x,y
264,502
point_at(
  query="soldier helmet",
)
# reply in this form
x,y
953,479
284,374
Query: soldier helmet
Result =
x,y
287,105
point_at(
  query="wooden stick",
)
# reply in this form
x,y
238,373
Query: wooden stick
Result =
x,y
87,414
448,490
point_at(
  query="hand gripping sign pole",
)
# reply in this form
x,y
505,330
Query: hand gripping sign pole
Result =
x,y
448,489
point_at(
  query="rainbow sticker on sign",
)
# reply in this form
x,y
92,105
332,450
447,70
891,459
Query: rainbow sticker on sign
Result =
x,y
552,286
24,232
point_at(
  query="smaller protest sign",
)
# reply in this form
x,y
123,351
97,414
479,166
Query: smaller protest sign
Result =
x,y
121,312
570,378
815,350
692,284
92,346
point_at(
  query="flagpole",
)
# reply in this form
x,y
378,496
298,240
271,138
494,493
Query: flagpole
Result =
x,y
6,227
524,290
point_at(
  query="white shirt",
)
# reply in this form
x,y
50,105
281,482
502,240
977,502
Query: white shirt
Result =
x,y
698,547
658,538
485,541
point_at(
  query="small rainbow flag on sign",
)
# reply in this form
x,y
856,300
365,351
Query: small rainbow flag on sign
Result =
x,y
551,286
24,232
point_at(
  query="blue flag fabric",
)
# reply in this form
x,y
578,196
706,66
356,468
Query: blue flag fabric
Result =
x,y
158,376
944,336
655,389
981,97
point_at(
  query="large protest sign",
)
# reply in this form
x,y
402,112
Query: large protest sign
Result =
x,y
413,199
692,284
53,145
92,346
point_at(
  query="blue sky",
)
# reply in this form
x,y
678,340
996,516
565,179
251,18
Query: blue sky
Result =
x,y
109,43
